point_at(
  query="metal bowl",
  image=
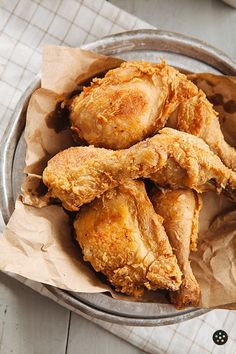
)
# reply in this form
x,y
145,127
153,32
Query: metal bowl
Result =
x,y
183,52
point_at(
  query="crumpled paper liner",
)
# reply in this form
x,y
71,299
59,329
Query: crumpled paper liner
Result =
x,y
37,251
37,242
217,250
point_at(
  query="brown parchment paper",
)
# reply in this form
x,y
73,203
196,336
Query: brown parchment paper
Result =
x,y
37,242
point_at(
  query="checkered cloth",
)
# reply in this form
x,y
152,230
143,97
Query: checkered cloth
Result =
x,y
27,25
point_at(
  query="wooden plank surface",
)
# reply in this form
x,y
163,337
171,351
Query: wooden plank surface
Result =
x,y
86,337
29,322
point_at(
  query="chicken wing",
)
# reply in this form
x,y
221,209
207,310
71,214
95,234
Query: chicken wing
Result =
x,y
180,211
80,174
197,116
129,104
121,236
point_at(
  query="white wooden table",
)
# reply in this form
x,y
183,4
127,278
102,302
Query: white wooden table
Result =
x,y
32,324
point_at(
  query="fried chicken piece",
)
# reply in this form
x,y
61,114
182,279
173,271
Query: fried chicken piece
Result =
x,y
129,104
134,101
121,236
180,211
192,164
197,116
79,174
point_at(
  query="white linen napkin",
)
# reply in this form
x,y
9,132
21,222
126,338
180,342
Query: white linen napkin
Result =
x,y
25,26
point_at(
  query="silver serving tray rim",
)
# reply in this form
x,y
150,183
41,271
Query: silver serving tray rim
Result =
x,y
111,45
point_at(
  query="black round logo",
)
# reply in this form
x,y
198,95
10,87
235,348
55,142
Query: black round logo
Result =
x,y
220,337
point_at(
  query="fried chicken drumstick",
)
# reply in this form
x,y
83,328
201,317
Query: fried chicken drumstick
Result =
x,y
80,174
180,211
135,100
121,236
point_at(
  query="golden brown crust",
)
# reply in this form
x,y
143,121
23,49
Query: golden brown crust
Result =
x,y
195,222
197,116
180,211
129,104
135,100
188,295
78,175
190,164
121,236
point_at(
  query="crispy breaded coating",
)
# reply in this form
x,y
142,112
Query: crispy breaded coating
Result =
x,y
191,164
121,236
129,104
180,211
197,116
79,174
135,100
